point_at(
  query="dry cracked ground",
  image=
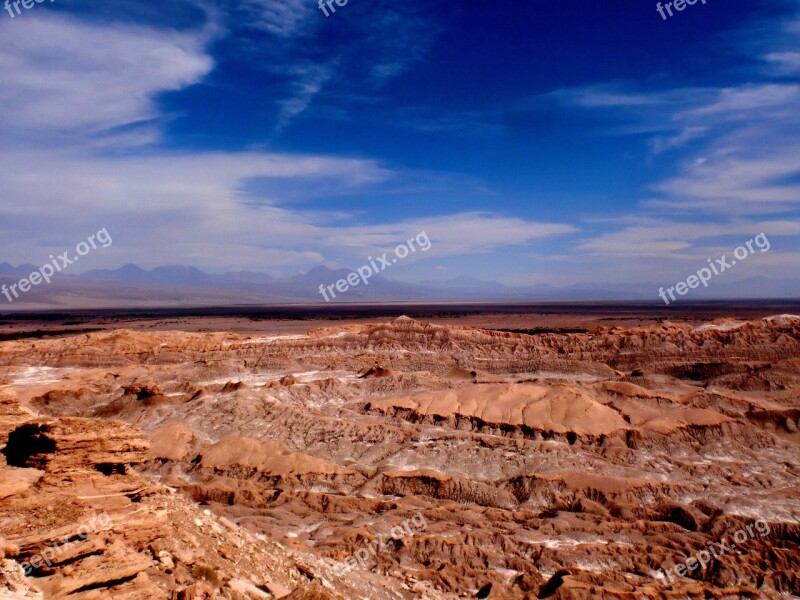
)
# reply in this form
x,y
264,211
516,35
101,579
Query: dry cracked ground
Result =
x,y
454,462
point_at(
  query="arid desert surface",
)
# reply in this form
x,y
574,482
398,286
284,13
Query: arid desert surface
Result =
x,y
490,455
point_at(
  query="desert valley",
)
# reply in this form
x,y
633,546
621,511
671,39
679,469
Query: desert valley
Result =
x,y
398,458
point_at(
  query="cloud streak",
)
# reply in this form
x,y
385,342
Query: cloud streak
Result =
x,y
71,80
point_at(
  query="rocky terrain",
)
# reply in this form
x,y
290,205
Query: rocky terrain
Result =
x,y
403,459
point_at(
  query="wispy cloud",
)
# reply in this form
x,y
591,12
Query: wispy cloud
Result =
x,y
660,237
785,63
738,163
171,206
66,78
481,123
310,80
283,18
455,234
190,209
747,159
687,134
332,51
399,36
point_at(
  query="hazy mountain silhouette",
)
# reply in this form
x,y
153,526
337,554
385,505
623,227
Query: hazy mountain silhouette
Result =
x,y
186,285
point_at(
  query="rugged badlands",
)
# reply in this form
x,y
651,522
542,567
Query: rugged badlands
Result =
x,y
403,460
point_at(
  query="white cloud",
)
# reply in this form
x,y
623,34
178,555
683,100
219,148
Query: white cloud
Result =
x,y
191,209
670,238
63,78
785,63
661,144
746,102
310,80
451,235
283,18
393,36
746,140
90,85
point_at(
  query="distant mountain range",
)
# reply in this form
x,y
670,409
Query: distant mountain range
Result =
x,y
181,285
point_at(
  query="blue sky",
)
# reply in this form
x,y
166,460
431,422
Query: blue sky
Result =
x,y
537,142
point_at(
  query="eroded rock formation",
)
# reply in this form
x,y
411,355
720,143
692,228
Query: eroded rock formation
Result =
x,y
553,465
